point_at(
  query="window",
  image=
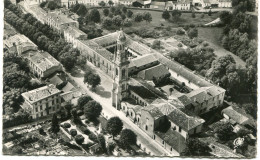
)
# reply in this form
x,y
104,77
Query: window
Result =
x,y
179,129
57,100
116,71
154,137
123,73
162,142
171,148
40,107
146,127
36,109
41,114
53,102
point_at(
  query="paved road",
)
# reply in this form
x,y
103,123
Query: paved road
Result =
x,y
103,96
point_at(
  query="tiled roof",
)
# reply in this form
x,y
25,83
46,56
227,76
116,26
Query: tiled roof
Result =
x,y
154,111
42,60
156,71
184,121
173,138
57,79
142,60
40,93
205,93
68,87
237,114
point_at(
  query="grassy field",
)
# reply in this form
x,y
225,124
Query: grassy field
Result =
x,y
213,36
185,19
157,20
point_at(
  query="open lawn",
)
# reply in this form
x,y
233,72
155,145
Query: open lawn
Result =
x,y
213,36
157,20
185,19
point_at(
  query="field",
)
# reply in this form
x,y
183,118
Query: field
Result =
x,y
213,36
185,19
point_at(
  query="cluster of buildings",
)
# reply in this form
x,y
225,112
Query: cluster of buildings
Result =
x,y
169,115
169,5
48,99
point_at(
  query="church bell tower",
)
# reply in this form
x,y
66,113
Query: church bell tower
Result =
x,y
120,73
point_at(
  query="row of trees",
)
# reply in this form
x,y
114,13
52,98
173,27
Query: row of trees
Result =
x,y
43,36
174,15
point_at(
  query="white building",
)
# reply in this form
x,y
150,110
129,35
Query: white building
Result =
x,y
42,101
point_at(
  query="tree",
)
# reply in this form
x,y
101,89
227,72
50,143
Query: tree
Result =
x,y
192,33
176,15
68,60
166,15
194,147
124,9
193,15
250,109
82,11
147,17
127,22
129,13
117,11
92,110
83,100
111,3
127,138
107,22
224,132
138,17
52,5
210,12
106,12
55,124
102,142
92,79
94,15
79,139
156,44
114,126
202,15
17,150
117,20
112,9
102,4
225,17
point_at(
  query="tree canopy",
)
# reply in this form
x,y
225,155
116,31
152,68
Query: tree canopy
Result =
x,y
114,126
92,110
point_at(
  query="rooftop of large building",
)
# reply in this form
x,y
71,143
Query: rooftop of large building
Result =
x,y
40,93
42,60
173,138
60,17
186,122
75,31
142,60
239,115
18,39
204,93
